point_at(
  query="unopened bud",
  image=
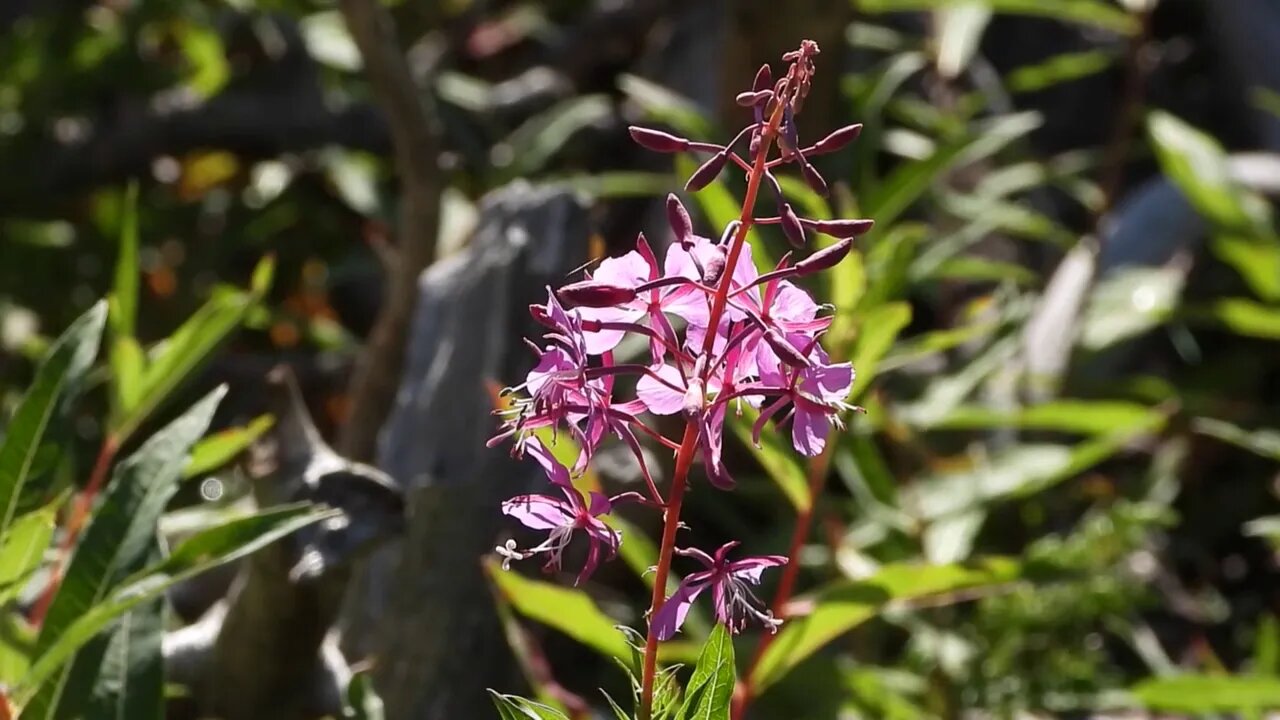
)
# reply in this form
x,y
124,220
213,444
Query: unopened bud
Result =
x,y
678,218
838,139
657,141
783,348
791,226
713,267
842,228
694,398
707,172
827,257
813,177
594,294
541,316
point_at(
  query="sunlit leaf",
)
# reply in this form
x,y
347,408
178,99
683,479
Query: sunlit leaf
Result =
x,y
217,450
511,707
1075,416
1240,316
776,455
206,550
841,607
1061,68
1097,13
1197,164
1257,259
1264,442
1207,694
22,549
64,365
710,688
1129,302
568,610
880,327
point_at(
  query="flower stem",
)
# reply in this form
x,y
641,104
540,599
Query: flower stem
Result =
x,y
671,522
689,445
79,513
745,692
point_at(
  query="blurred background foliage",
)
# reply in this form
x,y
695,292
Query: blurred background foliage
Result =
x,y
1064,323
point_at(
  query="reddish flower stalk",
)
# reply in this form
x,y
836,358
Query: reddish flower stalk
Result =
x,y
684,458
744,693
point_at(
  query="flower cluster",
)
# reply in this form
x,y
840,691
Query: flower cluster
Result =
x,y
717,334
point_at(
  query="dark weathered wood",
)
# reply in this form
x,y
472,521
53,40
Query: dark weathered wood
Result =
x,y
265,651
436,638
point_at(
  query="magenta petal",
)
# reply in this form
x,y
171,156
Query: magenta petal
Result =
x,y
790,303
657,396
809,430
751,568
539,512
551,361
667,621
589,566
829,382
556,472
600,504
628,270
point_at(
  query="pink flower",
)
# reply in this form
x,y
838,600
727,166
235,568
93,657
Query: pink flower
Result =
x,y
817,394
561,519
730,584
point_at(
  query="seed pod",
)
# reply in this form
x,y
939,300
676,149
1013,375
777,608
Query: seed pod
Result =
x,y
813,177
842,228
593,294
825,258
791,226
657,141
838,139
707,172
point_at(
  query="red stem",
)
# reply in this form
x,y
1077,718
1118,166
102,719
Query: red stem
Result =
x,y
79,513
684,457
745,693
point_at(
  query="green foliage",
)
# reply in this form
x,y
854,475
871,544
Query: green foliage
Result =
x,y
710,689
1205,694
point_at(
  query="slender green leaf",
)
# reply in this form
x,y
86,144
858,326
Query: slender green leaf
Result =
x,y
124,291
844,606
880,328
17,647
130,682
570,611
1096,13
710,687
116,543
1197,164
1257,259
1264,442
1240,316
1056,69
539,138
1205,694
22,548
1077,416
1129,302
65,363
206,550
517,708
217,450
776,456
191,344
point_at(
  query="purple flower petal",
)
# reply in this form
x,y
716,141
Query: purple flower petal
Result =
x,y
539,512
556,472
657,396
667,621
600,504
809,429
751,568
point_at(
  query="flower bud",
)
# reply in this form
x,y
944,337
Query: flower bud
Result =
x,y
842,228
694,399
594,294
707,172
657,141
752,98
791,226
783,348
825,258
838,139
714,266
813,177
679,220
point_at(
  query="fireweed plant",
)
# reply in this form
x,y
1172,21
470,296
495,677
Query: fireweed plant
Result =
x,y
719,334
